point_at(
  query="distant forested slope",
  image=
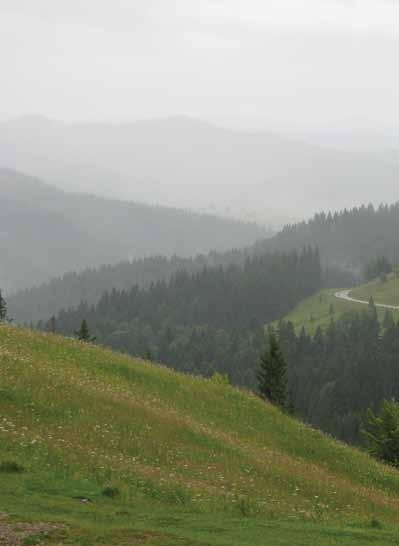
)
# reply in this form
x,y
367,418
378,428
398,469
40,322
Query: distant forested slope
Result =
x,y
212,320
45,232
40,302
348,239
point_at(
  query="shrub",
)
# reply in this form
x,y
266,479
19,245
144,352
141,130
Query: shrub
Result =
x,y
379,267
247,507
11,467
375,523
6,396
220,379
111,492
382,432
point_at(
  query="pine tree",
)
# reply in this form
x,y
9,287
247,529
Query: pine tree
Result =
x,y
381,432
372,308
148,355
83,334
389,321
272,374
52,325
3,308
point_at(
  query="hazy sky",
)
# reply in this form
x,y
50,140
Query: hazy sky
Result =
x,y
289,62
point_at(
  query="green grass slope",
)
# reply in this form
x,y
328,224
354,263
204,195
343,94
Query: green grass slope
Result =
x,y
383,292
123,452
316,310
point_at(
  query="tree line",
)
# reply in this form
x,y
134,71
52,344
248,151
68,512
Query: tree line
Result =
x,y
347,238
214,321
335,375
378,429
211,320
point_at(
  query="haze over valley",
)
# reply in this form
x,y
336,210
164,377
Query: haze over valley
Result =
x,y
199,273
187,163
47,232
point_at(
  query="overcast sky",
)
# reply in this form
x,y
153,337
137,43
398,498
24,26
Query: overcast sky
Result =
x,y
277,62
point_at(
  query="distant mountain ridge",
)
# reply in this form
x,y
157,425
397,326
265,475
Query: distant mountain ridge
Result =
x,y
188,163
45,232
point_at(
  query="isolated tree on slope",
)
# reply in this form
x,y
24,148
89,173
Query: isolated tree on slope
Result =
x,y
3,308
52,325
83,334
272,374
381,432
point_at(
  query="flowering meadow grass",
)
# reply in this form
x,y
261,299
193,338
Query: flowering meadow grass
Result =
x,y
126,452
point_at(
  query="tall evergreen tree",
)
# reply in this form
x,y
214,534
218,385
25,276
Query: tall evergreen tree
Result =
x,y
272,374
372,308
52,325
381,432
83,334
389,321
3,308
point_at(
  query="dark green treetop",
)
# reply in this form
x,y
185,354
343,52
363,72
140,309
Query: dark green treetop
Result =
x,y
272,374
381,432
83,334
3,308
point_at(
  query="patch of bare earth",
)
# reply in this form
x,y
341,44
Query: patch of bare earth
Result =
x,y
14,534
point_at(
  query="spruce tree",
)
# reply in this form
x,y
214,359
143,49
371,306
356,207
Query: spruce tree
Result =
x,y
372,308
389,321
52,325
83,334
272,374
381,432
3,308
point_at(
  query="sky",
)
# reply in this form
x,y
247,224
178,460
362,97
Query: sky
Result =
x,y
258,63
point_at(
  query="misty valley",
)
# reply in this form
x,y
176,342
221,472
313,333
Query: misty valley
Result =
x,y
199,273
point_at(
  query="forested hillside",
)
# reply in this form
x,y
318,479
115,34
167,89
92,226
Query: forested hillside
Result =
x,y
349,239
337,374
39,302
45,232
37,243
212,320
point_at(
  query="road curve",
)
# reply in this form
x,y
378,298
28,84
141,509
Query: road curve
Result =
x,y
344,295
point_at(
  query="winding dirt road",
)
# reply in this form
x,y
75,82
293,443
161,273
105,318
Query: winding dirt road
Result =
x,y
344,295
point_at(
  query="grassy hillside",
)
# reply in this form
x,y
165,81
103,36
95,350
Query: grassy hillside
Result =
x,y
382,292
316,310
124,452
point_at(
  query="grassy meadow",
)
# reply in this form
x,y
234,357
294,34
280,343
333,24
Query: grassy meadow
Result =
x,y
383,292
318,310
118,451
